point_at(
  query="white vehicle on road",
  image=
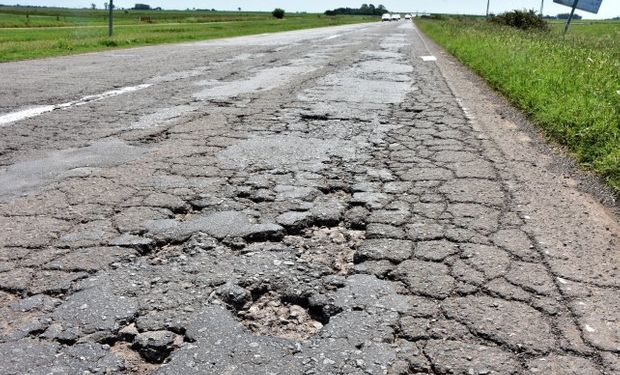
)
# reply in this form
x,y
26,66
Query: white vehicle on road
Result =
x,y
395,17
386,17
407,16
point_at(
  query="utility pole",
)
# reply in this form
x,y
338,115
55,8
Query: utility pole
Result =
x,y
572,12
488,4
542,4
110,21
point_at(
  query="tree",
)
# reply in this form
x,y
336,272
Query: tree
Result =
x,y
278,13
366,10
564,16
521,19
142,7
93,6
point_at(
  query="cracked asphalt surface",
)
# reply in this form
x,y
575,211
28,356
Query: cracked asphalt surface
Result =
x,y
313,202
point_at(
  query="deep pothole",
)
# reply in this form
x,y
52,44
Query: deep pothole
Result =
x,y
273,315
134,363
268,312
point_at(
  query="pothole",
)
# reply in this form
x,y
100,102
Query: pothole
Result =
x,y
134,363
332,248
272,315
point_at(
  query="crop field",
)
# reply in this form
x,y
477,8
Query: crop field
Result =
x,y
27,33
568,85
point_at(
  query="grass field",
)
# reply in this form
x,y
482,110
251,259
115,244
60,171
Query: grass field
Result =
x,y
569,86
27,33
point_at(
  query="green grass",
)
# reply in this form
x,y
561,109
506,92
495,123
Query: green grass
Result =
x,y
567,85
57,32
54,17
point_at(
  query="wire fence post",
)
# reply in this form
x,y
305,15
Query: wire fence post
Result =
x,y
110,21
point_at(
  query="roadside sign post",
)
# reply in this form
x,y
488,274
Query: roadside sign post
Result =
x,y
572,12
591,6
488,4
110,21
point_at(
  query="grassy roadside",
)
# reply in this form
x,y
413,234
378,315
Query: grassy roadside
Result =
x,y
55,17
29,43
567,86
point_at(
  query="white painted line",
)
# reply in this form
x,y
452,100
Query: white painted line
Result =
x,y
25,113
111,93
333,37
428,58
12,117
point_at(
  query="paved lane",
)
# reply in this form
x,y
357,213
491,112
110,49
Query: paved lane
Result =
x,y
322,201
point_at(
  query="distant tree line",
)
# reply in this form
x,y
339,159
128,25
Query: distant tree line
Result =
x,y
364,10
564,16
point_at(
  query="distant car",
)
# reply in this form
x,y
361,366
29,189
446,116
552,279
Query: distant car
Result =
x,y
407,16
386,17
395,17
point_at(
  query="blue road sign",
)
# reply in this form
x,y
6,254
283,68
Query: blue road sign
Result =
x,y
591,6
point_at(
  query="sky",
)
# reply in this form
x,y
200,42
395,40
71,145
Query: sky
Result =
x,y
609,8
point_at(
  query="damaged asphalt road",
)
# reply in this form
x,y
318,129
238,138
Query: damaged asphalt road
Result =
x,y
294,203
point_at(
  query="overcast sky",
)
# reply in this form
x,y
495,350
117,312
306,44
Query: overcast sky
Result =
x,y
609,9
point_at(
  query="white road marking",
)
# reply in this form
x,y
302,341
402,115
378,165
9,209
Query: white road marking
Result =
x,y
25,113
333,37
12,117
428,58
